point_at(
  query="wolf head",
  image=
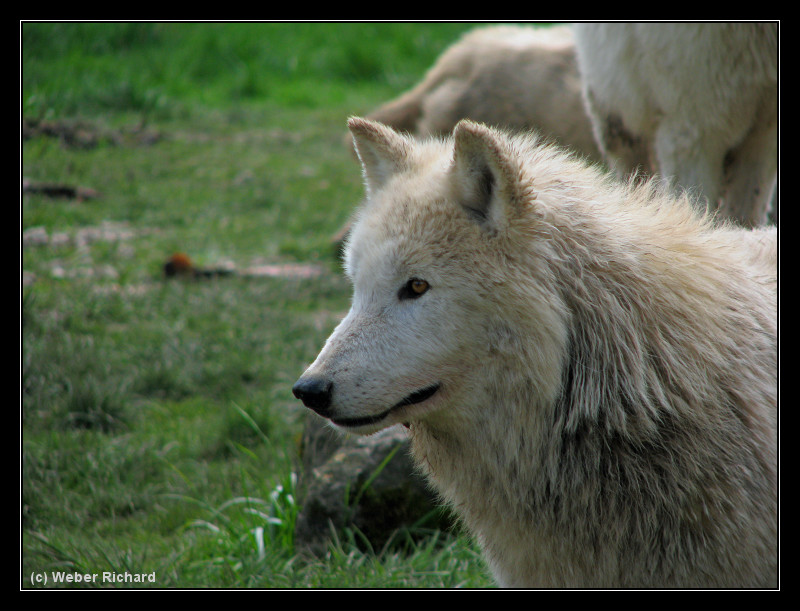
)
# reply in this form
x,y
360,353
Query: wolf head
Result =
x,y
432,256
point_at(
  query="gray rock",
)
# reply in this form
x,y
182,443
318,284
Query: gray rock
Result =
x,y
366,484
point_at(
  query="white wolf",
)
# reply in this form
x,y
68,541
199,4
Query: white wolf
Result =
x,y
587,368
697,102
516,78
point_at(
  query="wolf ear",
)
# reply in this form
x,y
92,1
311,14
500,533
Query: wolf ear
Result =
x,y
382,151
485,174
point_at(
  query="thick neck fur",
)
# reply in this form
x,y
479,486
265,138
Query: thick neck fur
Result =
x,y
632,466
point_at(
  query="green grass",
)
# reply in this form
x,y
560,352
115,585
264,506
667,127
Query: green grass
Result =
x,y
158,430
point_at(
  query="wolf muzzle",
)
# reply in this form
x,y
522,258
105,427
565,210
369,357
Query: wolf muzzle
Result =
x,y
316,393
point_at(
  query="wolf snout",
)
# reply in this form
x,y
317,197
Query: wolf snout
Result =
x,y
315,393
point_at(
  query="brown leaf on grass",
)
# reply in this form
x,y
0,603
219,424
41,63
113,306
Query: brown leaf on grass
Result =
x,y
180,265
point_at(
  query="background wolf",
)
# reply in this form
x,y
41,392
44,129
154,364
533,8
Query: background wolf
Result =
x,y
696,102
505,76
588,369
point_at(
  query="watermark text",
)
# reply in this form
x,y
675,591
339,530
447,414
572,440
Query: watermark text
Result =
x,y
56,578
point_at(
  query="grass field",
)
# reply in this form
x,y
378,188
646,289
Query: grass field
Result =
x,y
158,433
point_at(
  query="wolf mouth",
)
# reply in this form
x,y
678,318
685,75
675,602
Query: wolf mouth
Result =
x,y
415,397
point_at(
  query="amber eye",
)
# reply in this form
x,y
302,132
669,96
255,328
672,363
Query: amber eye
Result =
x,y
418,286
413,288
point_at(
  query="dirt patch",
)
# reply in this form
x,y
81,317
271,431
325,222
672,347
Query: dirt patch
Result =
x,y
58,190
83,135
105,232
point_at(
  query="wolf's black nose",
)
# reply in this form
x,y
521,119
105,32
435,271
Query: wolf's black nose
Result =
x,y
315,393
